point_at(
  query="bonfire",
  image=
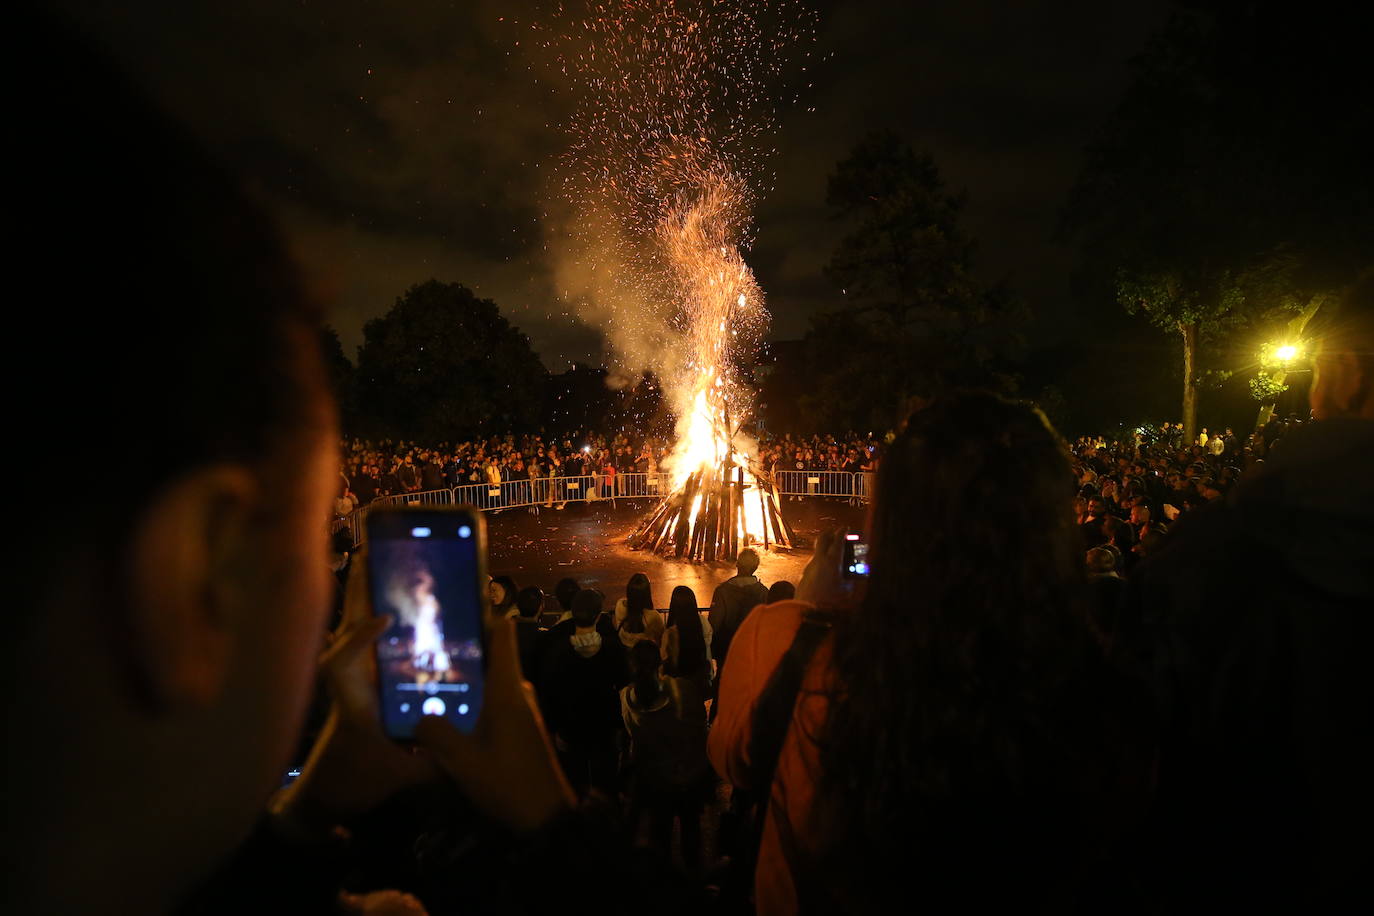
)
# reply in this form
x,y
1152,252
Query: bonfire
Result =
x,y
721,500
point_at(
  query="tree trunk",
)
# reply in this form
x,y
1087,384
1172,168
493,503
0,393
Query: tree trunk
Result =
x,y
1189,332
1267,411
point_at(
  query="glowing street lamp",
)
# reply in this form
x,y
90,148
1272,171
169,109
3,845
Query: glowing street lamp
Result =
x,y
1280,356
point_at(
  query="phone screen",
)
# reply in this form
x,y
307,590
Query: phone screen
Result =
x,y
855,556
426,571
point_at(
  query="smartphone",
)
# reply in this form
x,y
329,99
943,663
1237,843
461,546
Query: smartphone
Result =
x,y
855,556
427,569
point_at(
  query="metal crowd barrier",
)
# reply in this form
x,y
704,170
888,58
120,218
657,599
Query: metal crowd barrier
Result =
x,y
818,483
421,498
863,485
557,491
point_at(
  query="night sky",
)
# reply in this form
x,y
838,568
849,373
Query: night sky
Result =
x,y
403,141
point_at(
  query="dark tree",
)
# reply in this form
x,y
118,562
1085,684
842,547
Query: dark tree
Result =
x,y
914,318
1228,193
577,399
444,364
582,398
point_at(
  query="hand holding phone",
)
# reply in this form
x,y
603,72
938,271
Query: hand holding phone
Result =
x,y
825,582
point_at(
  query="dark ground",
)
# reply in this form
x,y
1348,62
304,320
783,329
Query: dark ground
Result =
x,y
587,542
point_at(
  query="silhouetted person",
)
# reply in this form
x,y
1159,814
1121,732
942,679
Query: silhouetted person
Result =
x,y
529,604
732,601
582,676
163,648
1256,616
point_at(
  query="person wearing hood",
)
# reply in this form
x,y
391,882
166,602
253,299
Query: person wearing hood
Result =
x,y
1253,623
582,676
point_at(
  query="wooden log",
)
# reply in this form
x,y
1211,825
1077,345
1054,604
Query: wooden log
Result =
x,y
739,488
779,521
681,529
791,535
698,530
706,519
721,532
763,512
775,519
711,525
660,513
651,531
731,534
660,535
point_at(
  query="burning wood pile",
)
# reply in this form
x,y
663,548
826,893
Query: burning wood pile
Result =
x,y
714,515
721,501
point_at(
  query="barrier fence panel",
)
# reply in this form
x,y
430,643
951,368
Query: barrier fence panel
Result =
x,y
422,498
487,496
816,483
356,524
642,486
863,485
569,489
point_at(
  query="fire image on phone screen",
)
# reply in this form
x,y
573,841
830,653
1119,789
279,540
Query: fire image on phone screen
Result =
x,y
429,662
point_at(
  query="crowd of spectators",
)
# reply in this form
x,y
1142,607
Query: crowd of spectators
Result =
x,y
384,468
1132,489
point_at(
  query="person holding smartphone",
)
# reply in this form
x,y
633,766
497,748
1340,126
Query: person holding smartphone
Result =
x,y
190,603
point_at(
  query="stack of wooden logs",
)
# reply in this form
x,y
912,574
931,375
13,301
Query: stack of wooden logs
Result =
x,y
669,528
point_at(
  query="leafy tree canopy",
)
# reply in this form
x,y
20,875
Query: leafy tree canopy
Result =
x,y
915,320
443,364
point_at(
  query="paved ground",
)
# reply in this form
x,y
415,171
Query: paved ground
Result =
x,y
587,541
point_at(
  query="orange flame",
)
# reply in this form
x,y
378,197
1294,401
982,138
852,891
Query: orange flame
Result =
x,y
723,300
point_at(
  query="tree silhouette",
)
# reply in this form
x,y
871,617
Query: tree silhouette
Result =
x,y
914,319
443,364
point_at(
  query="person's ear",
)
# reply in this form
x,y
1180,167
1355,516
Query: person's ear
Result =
x,y
185,585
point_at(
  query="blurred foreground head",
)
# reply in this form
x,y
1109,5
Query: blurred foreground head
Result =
x,y
1343,369
172,589
943,745
974,508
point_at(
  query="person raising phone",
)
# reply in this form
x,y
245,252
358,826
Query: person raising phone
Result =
x,y
190,602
